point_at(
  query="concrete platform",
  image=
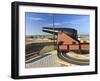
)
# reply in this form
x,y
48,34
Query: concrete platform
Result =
x,y
48,61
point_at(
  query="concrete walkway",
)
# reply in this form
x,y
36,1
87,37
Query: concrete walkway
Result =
x,y
45,61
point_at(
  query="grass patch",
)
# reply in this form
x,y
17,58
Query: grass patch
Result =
x,y
46,49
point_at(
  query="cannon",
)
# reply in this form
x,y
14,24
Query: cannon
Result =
x,y
67,39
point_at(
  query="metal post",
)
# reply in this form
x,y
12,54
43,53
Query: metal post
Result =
x,y
53,29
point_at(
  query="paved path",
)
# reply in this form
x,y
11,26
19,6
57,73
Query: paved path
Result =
x,y
46,61
36,58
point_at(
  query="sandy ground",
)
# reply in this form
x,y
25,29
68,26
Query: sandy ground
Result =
x,y
78,56
73,55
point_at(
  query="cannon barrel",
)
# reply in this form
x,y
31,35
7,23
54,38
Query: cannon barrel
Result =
x,y
69,31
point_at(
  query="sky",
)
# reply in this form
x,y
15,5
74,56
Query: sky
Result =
x,y
34,22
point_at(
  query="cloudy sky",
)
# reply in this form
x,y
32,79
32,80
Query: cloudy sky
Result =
x,y
34,22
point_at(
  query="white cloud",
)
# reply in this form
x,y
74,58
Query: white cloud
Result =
x,y
67,22
57,23
76,22
35,18
51,24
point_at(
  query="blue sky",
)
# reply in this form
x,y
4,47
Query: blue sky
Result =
x,y
34,22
